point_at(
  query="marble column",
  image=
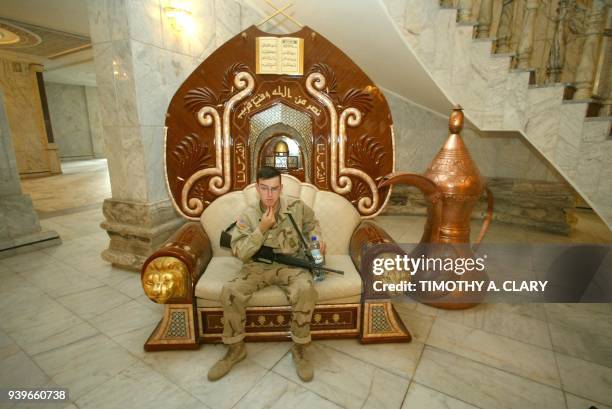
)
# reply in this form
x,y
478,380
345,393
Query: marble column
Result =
x,y
95,123
556,55
525,47
485,16
504,30
35,155
20,230
142,55
465,11
585,72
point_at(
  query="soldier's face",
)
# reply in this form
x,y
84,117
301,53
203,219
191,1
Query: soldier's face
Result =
x,y
269,191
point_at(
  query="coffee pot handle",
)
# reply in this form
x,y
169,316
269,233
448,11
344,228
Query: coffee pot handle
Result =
x,y
487,219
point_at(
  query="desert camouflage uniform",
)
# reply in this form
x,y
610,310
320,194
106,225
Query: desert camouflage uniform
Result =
x,y
296,283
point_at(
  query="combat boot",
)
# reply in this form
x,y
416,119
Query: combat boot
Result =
x,y
235,353
303,366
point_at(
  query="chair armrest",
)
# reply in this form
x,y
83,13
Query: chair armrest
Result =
x,y
368,242
170,274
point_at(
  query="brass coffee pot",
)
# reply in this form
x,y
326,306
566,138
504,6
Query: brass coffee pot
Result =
x,y
452,185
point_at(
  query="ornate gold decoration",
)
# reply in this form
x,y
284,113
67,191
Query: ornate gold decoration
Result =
x,y
208,115
275,321
341,183
176,329
379,321
165,278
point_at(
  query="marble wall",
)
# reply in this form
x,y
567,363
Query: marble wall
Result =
x,y
34,155
75,121
142,56
19,227
95,122
420,133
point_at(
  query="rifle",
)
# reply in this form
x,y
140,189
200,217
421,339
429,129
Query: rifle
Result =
x,y
267,255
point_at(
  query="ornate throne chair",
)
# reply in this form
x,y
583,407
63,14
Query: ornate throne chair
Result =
x,y
328,128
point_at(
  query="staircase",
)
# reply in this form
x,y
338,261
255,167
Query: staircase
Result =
x,y
497,98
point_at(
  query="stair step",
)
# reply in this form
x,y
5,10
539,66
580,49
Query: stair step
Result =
x,y
598,119
467,23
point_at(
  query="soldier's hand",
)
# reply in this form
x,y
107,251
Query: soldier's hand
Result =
x,y
322,247
267,221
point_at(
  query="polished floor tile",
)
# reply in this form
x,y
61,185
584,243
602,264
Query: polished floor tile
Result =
x,y
70,319
481,385
499,352
420,396
586,379
84,365
277,392
354,391
136,387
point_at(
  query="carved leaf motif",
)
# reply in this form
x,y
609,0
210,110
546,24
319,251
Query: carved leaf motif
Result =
x,y
228,79
330,77
200,191
365,153
357,98
199,97
358,191
192,154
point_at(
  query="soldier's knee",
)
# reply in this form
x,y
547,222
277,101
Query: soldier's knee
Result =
x,y
304,289
228,293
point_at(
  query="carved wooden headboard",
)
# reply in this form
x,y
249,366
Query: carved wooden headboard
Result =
x,y
218,118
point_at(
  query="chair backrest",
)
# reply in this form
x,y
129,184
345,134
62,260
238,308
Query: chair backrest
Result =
x,y
328,124
337,216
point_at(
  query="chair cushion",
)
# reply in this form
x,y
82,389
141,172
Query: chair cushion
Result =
x,y
337,216
335,289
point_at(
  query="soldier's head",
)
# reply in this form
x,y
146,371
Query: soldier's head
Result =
x,y
269,186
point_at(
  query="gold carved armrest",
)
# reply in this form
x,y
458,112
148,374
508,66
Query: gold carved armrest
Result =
x,y
170,274
368,242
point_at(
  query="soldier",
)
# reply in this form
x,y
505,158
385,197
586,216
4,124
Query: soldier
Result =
x,y
266,223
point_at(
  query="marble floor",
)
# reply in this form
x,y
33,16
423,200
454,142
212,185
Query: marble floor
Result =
x,y
70,319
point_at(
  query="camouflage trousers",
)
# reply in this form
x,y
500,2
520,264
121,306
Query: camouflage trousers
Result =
x,y
296,283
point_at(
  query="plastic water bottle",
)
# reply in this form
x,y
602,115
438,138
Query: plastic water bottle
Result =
x,y
315,250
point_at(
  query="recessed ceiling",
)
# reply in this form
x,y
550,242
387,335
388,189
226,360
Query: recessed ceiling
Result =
x,y
39,41
69,16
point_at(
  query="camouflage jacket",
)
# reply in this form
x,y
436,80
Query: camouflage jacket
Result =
x,y
247,238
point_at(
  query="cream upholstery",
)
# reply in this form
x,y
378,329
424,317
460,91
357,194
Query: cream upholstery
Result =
x,y
338,219
335,289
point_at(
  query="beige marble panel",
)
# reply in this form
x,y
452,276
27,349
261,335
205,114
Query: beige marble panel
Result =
x,y
144,17
138,386
367,384
124,318
47,328
400,359
586,379
189,372
482,385
70,120
575,402
88,304
24,111
420,396
277,392
95,121
500,352
84,365
60,279
19,371
589,318
107,20
579,344
518,327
